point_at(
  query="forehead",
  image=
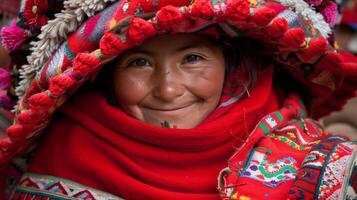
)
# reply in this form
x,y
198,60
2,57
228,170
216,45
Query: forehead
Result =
x,y
177,42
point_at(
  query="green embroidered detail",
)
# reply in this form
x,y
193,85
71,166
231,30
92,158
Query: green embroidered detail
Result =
x,y
289,142
302,113
277,173
301,124
271,174
215,2
265,128
280,117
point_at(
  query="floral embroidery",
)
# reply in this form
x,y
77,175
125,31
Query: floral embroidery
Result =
x,y
34,13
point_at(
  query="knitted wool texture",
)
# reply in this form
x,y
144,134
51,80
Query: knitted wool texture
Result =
x,y
297,35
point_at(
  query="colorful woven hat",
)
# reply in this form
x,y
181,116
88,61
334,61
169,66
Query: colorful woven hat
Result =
x,y
73,45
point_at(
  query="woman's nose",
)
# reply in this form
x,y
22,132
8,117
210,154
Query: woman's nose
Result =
x,y
168,86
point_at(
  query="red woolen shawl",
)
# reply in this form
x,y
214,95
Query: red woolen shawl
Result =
x,y
98,145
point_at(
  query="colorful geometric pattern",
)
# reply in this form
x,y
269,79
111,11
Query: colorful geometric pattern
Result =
x,y
334,175
270,174
299,134
328,171
324,170
350,180
267,166
33,186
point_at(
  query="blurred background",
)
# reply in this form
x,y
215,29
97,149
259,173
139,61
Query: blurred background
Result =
x,y
345,121
342,122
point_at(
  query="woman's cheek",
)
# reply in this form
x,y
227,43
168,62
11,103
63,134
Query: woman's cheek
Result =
x,y
131,88
207,83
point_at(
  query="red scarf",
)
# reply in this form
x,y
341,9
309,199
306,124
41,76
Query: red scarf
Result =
x,y
98,145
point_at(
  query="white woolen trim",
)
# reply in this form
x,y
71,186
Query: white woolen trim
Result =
x,y
302,8
53,34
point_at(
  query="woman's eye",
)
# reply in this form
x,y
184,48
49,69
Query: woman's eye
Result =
x,y
192,58
140,62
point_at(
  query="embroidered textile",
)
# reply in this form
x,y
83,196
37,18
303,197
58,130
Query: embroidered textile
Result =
x,y
34,186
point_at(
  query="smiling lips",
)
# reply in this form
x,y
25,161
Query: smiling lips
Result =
x,y
171,111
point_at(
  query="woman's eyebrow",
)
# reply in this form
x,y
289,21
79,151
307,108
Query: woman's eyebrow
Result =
x,y
190,46
137,50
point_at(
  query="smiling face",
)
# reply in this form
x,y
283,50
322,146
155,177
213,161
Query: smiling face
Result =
x,y
176,79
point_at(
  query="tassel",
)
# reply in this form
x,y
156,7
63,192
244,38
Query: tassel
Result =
x,y
237,10
17,132
139,30
202,8
41,101
60,83
111,45
277,28
317,47
13,37
168,16
263,16
294,38
30,117
330,13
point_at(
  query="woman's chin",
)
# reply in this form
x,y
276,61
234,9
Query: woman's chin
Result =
x,y
167,123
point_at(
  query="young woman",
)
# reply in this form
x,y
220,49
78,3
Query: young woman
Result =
x,y
156,99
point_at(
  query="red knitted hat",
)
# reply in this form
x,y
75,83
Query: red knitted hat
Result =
x,y
299,37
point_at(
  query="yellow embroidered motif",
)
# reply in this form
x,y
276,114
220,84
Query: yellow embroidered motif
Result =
x,y
292,135
112,23
244,198
253,2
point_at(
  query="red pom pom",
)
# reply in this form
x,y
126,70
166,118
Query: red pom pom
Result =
x,y
331,61
168,16
18,132
60,83
277,28
34,88
84,63
111,45
334,62
317,47
203,9
30,117
41,101
263,16
5,145
139,30
294,38
237,10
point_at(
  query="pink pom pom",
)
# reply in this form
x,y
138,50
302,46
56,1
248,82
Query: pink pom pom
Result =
x,y
330,13
13,36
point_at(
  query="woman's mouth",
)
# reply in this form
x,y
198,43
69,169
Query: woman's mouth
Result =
x,y
170,110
